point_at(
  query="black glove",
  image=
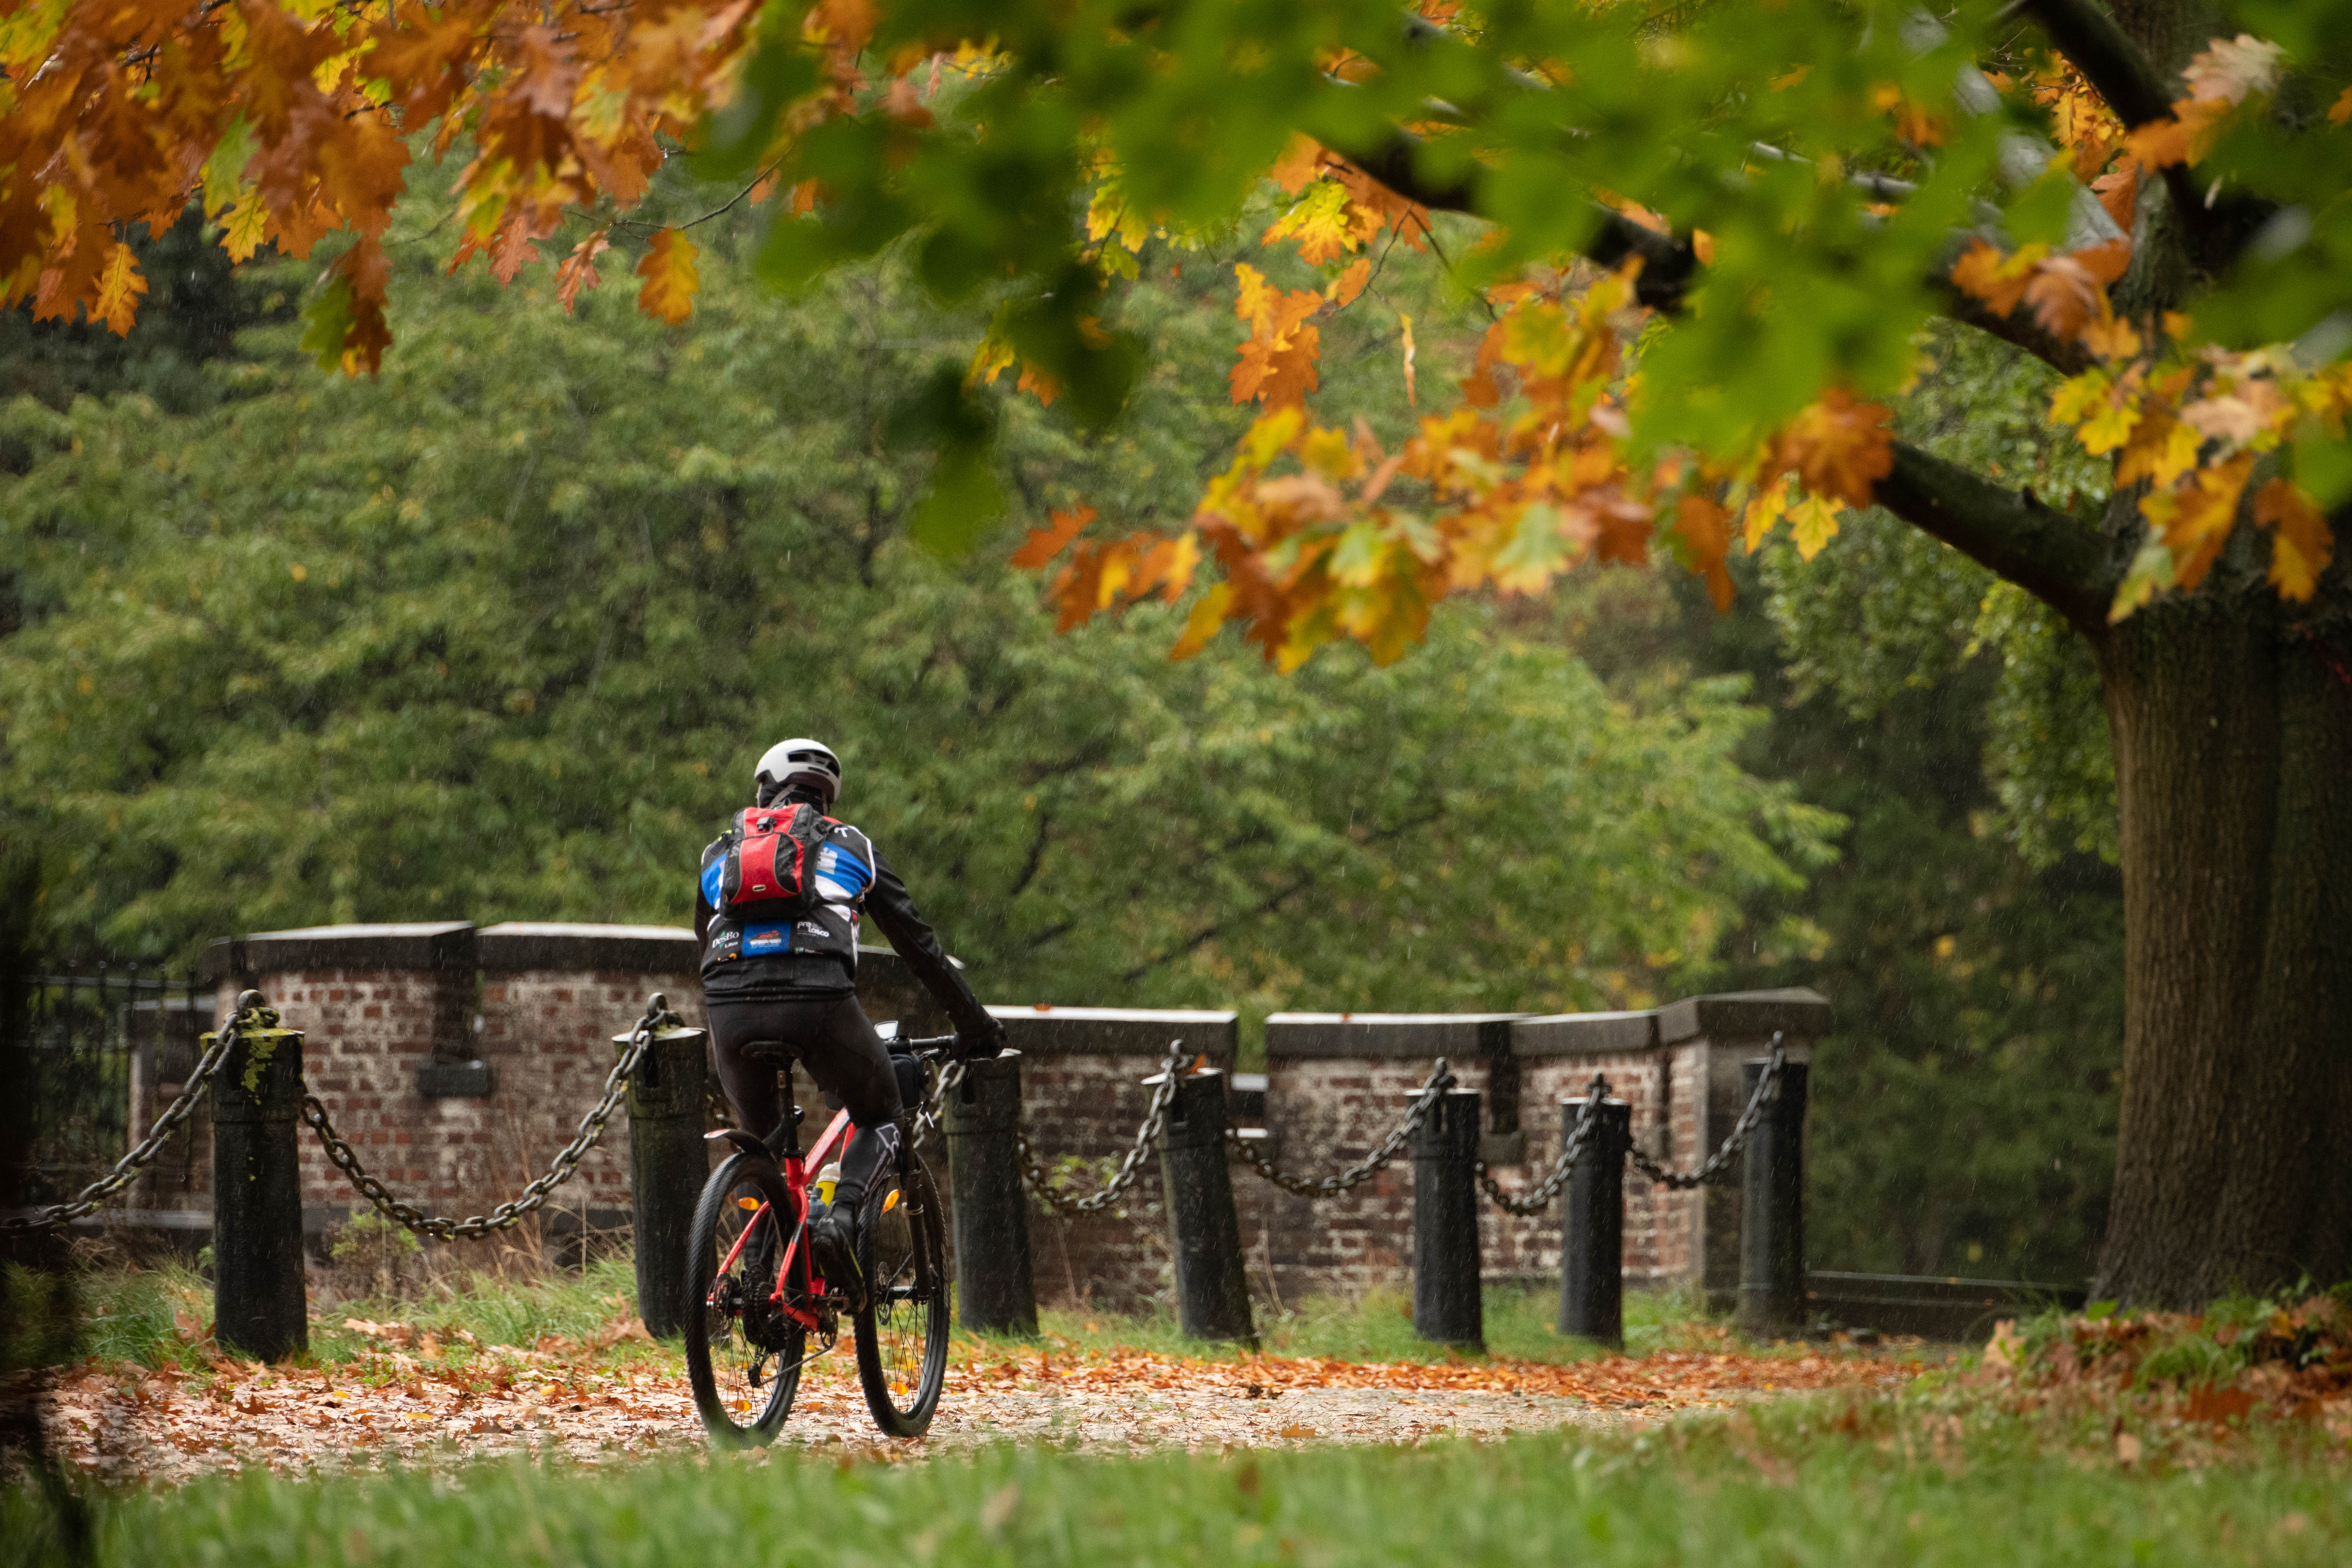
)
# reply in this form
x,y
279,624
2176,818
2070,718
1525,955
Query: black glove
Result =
x,y
980,1044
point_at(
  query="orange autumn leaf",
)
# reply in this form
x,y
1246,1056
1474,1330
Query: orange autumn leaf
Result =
x,y
1705,529
1044,543
1839,447
1342,290
671,278
2201,515
1999,280
578,270
2302,544
118,292
1277,364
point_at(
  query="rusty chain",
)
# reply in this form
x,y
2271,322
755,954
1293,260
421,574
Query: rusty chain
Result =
x,y
1440,1079
1720,1161
1540,1198
1163,1094
252,1012
559,1171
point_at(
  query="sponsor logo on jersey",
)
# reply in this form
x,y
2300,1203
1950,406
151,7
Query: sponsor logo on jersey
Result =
x,y
765,939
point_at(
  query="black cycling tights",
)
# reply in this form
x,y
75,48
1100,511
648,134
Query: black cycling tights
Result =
x,y
832,1038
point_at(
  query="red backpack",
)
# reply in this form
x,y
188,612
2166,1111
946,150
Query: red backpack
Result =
x,y
768,869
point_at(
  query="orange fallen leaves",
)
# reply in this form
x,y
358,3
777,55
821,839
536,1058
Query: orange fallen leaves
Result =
x,y
409,1398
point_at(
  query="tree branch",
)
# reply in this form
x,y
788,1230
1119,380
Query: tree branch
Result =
x,y
2016,329
2141,94
2049,553
2108,59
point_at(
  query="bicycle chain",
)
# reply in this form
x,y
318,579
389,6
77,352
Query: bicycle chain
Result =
x,y
1163,1095
1540,1198
251,1013
559,1171
1720,1161
1440,1079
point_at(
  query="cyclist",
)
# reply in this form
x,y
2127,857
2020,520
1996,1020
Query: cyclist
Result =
x,y
793,980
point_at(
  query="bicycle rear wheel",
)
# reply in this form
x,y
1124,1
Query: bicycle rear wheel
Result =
x,y
902,1331
743,1356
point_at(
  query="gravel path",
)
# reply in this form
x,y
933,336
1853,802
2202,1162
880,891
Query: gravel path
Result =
x,y
121,1423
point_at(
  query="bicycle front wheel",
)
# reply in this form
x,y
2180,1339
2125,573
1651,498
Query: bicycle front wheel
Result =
x,y
743,1356
902,1332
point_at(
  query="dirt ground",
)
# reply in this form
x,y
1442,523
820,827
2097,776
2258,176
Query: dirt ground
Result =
x,y
389,1407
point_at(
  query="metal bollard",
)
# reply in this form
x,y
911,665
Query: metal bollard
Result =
x,y
1593,1227
1446,1307
670,1098
1212,1291
995,1291
260,1309
1772,1207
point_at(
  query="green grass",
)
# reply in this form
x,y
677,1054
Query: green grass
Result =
x,y
160,1318
1521,1324
1918,1481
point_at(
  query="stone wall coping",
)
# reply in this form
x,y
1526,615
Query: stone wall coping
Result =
x,y
1044,1030
1581,1033
518,946
510,947
422,945
1798,1011
1297,1036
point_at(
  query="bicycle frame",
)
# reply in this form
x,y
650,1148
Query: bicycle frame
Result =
x,y
796,1167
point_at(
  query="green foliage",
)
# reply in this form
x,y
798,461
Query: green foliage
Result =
x,y
1884,608
1965,1105
499,635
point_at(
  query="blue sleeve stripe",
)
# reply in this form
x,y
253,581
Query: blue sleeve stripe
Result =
x,y
714,880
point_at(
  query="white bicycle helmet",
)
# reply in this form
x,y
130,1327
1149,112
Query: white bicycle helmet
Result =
x,y
802,759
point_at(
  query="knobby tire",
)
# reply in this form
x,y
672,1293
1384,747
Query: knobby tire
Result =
x,y
902,1331
722,1358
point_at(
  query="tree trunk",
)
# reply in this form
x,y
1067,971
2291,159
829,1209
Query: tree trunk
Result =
x,y
2233,735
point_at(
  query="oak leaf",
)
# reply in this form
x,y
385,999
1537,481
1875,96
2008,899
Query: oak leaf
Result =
x,y
671,278
2303,542
1999,280
2230,68
2199,517
1044,543
578,271
1705,530
1839,447
1812,523
118,292
2161,450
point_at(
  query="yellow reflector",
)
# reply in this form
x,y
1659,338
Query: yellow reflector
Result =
x,y
751,1204
890,1203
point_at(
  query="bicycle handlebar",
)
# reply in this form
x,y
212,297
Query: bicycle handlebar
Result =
x,y
936,1046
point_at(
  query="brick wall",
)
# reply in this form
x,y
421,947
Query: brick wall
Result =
x,y
397,1017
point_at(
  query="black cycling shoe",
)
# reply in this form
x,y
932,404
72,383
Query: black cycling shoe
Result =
x,y
833,1248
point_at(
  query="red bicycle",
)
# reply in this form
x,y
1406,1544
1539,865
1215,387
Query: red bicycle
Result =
x,y
755,1304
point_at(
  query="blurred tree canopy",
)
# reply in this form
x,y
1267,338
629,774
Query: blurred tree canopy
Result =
x,y
499,635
